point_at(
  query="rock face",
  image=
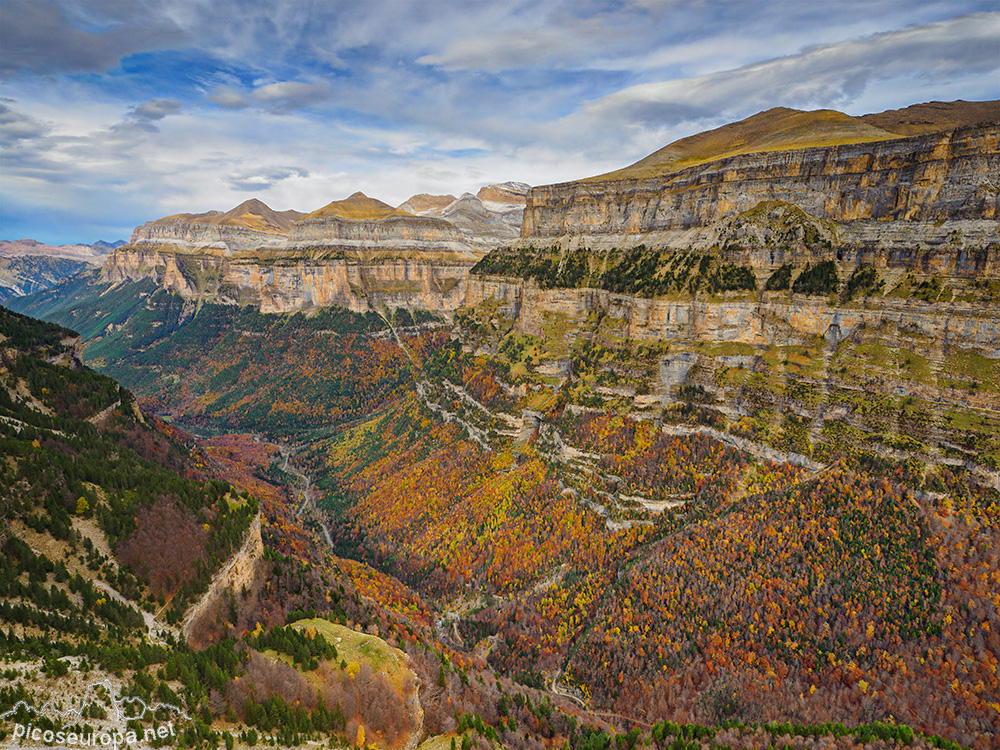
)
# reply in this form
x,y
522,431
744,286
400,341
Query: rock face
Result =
x,y
771,319
236,574
926,204
939,177
291,284
358,253
184,235
416,233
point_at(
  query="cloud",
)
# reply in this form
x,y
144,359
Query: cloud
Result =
x,y
37,36
288,96
263,178
277,98
824,75
501,51
155,109
15,126
229,98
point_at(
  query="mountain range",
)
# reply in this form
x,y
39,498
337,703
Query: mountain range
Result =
x,y
706,453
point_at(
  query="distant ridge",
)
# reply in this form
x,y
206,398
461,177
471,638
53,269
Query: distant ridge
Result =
x,y
28,266
89,253
932,117
357,207
107,247
782,129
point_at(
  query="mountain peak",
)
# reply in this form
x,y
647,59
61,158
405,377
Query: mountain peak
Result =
x,y
253,205
251,214
356,207
775,129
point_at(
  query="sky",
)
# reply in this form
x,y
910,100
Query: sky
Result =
x,y
117,112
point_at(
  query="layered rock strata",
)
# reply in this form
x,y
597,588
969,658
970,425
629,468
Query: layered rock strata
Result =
x,y
770,319
186,236
393,233
940,177
294,284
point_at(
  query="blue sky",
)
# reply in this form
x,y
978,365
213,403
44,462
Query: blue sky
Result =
x,y
115,112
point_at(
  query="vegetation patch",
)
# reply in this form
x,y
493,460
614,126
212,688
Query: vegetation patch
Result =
x,y
780,280
819,279
864,281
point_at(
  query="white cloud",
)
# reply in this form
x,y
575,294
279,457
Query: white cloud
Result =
x,y
229,98
15,126
827,75
155,109
288,96
515,48
264,177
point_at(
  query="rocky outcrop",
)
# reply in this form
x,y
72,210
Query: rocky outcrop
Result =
x,y
941,177
360,286
237,573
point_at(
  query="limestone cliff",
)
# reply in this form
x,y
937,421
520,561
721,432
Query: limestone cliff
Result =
x,y
926,204
766,319
290,284
392,233
911,182
182,234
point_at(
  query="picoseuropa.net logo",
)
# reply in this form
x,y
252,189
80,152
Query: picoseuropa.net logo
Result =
x,y
93,738
72,728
